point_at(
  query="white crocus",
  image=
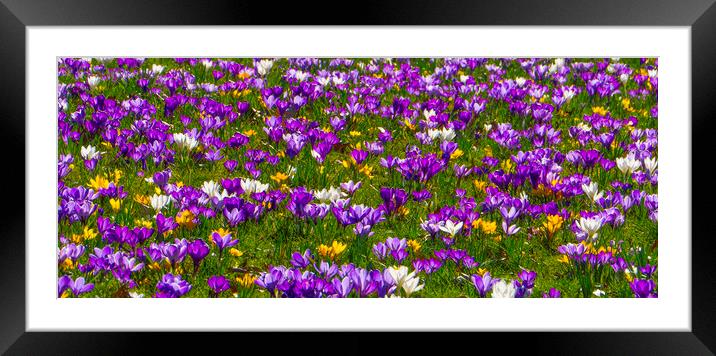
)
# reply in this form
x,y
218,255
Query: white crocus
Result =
x,y
157,69
263,66
398,274
584,127
650,164
451,228
211,188
443,134
323,81
502,289
405,280
93,80
592,191
338,80
628,165
185,142
331,194
520,81
429,113
89,152
158,202
253,186
208,64
598,292
590,226
412,285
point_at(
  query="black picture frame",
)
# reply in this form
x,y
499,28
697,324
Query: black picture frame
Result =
x,y
700,15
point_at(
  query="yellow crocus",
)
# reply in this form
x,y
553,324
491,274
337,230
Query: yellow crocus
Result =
x,y
99,182
415,245
599,110
186,219
116,204
367,170
246,281
457,154
235,252
337,248
279,177
88,233
67,264
479,185
553,223
323,250
488,227
507,165
143,222
141,199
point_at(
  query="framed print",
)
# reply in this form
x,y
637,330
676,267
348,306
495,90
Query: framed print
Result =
x,y
504,174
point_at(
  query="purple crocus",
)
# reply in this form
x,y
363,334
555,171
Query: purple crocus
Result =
x,y
301,261
393,198
483,283
197,250
223,241
171,286
553,293
218,284
643,288
77,286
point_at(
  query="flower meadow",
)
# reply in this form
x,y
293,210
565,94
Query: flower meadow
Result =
x,y
362,177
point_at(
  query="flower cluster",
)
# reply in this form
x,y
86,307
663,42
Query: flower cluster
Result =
x,y
364,177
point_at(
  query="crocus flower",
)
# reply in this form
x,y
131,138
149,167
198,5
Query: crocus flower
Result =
x,y
301,260
218,284
643,288
171,286
590,226
77,286
223,240
197,250
628,165
592,191
451,228
483,283
158,202
502,289
553,293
